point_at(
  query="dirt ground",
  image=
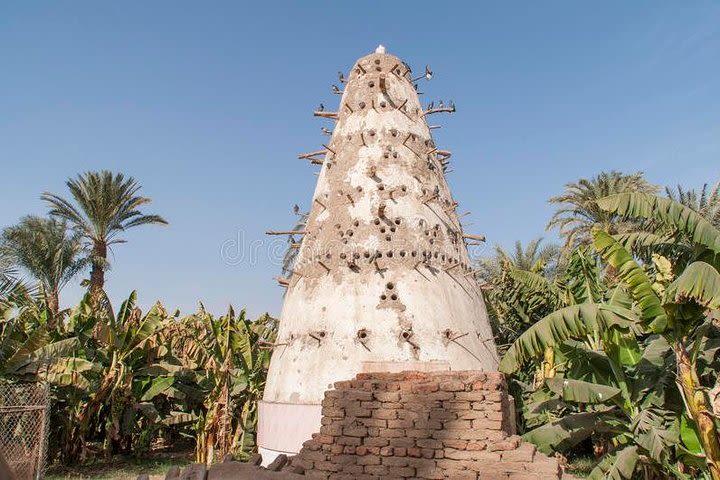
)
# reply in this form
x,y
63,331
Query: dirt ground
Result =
x,y
156,464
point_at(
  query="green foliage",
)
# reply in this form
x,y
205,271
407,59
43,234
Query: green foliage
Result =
x,y
44,248
578,211
630,368
105,206
123,380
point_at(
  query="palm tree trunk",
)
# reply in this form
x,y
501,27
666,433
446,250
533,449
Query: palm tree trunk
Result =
x,y
97,273
52,300
698,408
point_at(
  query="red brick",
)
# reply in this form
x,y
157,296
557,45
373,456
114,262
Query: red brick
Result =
x,y
376,442
328,466
324,439
425,388
429,443
387,396
379,470
404,472
369,460
414,452
402,442
452,386
385,414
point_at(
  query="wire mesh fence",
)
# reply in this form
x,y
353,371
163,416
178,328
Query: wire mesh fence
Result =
x,y
24,414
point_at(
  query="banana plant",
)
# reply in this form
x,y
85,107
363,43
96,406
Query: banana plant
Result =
x,y
683,314
229,351
116,345
638,317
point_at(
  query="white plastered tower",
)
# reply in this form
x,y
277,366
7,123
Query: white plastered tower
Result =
x,y
382,279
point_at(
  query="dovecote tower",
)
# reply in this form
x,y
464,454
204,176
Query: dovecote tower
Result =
x,y
382,279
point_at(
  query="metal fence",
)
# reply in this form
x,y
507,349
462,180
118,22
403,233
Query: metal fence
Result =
x,y
24,414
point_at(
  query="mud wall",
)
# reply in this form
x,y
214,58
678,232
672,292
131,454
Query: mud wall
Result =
x,y
421,425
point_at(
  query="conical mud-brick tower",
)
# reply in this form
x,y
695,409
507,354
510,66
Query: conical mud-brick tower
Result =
x,y
382,280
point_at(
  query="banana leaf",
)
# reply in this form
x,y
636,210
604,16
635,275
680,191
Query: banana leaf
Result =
x,y
579,391
618,465
565,433
634,277
575,321
699,282
668,212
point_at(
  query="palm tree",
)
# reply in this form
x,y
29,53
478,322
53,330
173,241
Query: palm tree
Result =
x,y
503,276
706,202
8,274
534,257
106,205
45,248
578,211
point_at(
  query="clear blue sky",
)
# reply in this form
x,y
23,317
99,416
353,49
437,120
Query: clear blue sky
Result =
x,y
207,104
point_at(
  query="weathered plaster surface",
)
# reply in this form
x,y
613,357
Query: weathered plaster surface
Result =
x,y
383,273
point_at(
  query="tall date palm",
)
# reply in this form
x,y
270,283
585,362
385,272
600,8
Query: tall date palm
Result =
x,y
578,211
105,205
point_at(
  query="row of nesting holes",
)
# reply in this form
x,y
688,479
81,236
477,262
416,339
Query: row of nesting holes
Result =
x,y
426,254
394,133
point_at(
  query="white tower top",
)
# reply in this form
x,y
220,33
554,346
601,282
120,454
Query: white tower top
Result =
x,y
380,49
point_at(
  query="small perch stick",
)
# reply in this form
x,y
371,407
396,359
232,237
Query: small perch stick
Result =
x,y
480,238
332,115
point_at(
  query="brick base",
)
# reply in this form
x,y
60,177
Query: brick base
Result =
x,y
427,425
